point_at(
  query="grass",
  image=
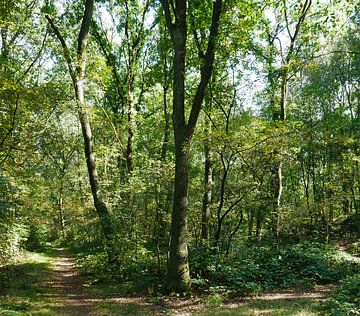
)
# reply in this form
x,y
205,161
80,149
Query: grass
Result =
x,y
113,308
301,307
24,291
21,286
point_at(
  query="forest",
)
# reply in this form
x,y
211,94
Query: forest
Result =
x,y
180,157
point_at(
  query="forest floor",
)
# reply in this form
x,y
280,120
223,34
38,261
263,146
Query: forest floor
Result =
x,y
49,284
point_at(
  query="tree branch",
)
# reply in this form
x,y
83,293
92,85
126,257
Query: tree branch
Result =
x,y
66,50
206,70
83,38
169,23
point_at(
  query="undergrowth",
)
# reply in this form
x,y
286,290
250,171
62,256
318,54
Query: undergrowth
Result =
x,y
250,270
345,301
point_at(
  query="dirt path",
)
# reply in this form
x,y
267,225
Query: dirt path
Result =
x,y
76,298
265,304
67,285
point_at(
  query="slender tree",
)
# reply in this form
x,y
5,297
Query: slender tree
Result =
x,y
77,73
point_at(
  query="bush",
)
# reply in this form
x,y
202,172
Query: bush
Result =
x,y
38,235
345,301
254,269
139,274
94,264
12,237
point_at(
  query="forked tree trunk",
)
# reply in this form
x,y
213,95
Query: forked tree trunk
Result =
x,y
284,78
178,268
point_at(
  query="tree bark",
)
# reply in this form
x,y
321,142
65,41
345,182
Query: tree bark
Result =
x,y
178,270
166,139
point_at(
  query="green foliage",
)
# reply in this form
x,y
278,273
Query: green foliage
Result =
x,y
44,190
12,239
214,299
255,269
345,301
94,264
139,275
49,8
37,238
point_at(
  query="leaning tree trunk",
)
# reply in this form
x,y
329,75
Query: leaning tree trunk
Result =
x,y
100,206
78,75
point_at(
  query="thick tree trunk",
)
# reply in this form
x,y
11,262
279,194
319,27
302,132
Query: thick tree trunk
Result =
x,y
178,273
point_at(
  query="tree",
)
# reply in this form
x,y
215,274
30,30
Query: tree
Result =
x,y
77,73
176,21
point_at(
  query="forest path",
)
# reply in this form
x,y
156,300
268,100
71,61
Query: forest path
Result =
x,y
50,284
66,285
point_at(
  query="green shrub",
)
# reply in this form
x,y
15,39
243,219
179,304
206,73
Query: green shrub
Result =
x,y
345,301
94,264
254,269
38,235
12,237
140,273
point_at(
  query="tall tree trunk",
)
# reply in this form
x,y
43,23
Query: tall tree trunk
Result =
x,y
166,139
100,206
251,216
259,220
61,216
178,273
277,172
77,76
131,122
277,175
